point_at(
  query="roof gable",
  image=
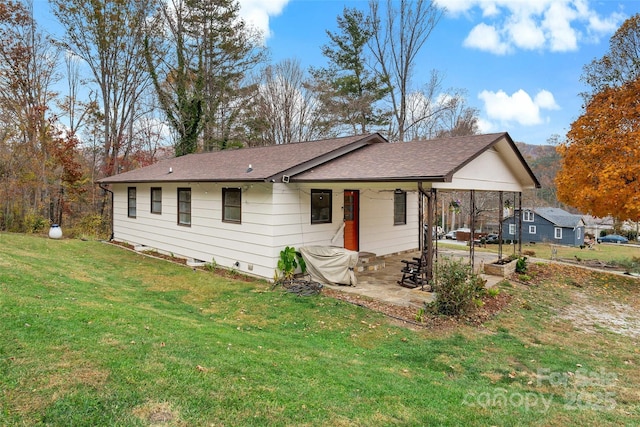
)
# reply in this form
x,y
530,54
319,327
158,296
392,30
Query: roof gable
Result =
x,y
436,160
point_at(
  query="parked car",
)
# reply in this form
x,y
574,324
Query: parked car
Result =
x,y
613,238
450,235
491,238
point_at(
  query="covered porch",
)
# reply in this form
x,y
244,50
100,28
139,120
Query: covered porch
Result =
x,y
382,284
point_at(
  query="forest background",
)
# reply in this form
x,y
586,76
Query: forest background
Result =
x,y
169,78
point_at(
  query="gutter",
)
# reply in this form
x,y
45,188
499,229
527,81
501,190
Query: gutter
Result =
x,y
110,192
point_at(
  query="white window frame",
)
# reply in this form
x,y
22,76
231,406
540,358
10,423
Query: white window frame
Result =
x,y
557,233
512,229
532,229
528,216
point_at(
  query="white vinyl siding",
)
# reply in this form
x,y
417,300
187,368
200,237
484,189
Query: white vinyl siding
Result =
x,y
273,216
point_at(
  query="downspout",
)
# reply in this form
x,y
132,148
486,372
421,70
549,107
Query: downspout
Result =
x,y
110,192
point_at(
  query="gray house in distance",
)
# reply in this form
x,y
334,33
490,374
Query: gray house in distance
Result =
x,y
550,225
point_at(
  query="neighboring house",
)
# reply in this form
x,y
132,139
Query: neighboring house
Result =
x,y
595,225
241,207
552,225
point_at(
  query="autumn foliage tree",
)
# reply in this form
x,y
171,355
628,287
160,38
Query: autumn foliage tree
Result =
x,y
600,171
600,167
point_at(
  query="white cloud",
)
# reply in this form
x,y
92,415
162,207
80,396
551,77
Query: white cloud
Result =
x,y
556,25
518,107
544,99
256,13
486,37
524,33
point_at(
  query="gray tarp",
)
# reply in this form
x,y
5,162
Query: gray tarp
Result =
x,y
331,265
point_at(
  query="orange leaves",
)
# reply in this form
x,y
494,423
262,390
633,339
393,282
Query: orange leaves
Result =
x,y
600,170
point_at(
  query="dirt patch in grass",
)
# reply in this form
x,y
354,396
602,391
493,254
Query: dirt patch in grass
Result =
x,y
157,414
601,300
588,316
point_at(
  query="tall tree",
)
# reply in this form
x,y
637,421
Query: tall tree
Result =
x,y
108,36
621,63
600,172
348,90
600,169
198,53
28,62
285,110
398,36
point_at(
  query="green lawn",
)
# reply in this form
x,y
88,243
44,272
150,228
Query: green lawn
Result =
x,y
605,252
92,334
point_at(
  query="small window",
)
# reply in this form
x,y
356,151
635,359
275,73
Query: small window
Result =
x,y
399,207
156,200
512,229
131,202
231,205
184,206
532,229
557,233
527,216
321,206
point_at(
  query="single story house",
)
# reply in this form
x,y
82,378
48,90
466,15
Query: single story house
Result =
x,y
552,225
241,207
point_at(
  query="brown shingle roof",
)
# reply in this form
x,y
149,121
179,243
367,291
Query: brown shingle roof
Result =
x,y
232,165
354,158
431,160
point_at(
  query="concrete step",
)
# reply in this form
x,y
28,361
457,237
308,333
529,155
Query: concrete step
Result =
x,y
368,261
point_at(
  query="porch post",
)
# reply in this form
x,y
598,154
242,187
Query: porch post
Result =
x,y
472,227
500,219
427,253
430,224
520,223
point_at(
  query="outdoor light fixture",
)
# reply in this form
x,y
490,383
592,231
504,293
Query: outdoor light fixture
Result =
x,y
398,191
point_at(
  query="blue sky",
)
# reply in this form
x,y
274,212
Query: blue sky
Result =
x,y
520,61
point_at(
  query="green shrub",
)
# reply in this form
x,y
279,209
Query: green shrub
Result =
x,y
34,223
493,292
90,226
211,266
521,265
456,288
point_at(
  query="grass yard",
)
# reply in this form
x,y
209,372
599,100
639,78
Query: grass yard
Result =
x,y
605,252
92,334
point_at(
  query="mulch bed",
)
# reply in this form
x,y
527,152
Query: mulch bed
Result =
x,y
408,315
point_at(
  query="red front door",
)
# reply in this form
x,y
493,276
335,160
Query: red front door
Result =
x,y
351,217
